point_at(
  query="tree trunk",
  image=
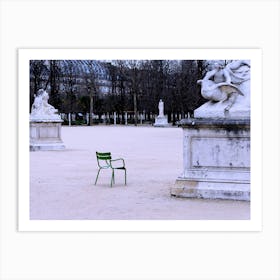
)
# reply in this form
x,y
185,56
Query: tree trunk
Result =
x,y
90,108
135,108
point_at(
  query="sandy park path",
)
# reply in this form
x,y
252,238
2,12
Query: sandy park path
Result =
x,y
62,182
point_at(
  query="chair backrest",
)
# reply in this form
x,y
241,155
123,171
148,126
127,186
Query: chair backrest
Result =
x,y
103,159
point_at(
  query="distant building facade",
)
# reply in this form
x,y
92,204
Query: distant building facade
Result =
x,y
71,75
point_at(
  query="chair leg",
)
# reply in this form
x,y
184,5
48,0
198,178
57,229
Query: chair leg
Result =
x,y
125,176
113,177
97,176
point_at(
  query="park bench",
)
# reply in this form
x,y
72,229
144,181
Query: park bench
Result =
x,y
105,161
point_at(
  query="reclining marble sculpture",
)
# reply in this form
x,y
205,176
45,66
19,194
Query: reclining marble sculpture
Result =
x,y
228,91
41,109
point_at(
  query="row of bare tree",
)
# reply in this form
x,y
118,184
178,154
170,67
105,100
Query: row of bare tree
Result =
x,y
130,85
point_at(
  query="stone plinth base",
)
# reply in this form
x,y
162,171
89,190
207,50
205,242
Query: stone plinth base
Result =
x,y
216,159
45,135
211,190
161,121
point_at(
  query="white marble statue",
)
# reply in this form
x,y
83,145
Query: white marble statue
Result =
x,y
161,108
41,109
226,87
161,119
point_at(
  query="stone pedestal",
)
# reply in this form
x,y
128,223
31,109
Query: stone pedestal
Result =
x,y
216,159
161,121
45,135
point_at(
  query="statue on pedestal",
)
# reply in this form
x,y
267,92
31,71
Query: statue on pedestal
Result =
x,y
161,119
216,142
44,124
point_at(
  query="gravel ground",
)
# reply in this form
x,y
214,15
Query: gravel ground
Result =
x,y
62,182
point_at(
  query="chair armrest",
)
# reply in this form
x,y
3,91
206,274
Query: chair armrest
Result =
x,y
116,161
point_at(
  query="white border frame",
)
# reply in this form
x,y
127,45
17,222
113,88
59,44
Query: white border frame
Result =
x,y
143,24
254,224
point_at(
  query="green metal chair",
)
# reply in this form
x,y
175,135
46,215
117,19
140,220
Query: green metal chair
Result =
x,y
105,161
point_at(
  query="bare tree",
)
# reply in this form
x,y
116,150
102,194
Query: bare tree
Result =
x,y
131,69
91,85
70,80
54,81
39,74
